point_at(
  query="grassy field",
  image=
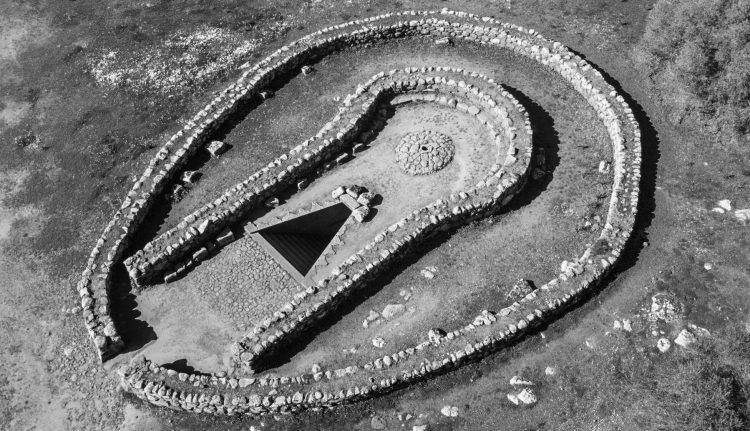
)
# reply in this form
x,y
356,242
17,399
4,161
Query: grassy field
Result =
x,y
88,89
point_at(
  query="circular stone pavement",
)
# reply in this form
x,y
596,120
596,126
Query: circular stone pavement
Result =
x,y
424,152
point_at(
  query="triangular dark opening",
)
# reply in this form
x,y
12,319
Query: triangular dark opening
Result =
x,y
302,240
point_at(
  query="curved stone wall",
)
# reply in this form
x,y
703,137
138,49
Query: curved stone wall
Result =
x,y
468,91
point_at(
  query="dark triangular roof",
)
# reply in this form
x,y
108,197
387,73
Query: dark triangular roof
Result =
x,y
301,241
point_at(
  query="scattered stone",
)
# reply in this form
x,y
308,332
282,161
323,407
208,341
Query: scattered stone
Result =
x,y
405,294
30,141
685,338
342,158
527,397
377,423
698,331
520,289
307,70
449,411
663,345
358,147
365,198
392,310
627,325
444,41
378,342
271,203
742,215
662,309
338,192
550,371
217,148
426,273
435,334
178,192
190,177
225,237
361,213
355,190
725,204
518,381
604,167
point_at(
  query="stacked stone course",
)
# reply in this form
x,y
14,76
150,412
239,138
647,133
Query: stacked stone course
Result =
x,y
487,332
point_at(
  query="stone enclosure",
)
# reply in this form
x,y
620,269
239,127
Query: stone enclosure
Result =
x,y
175,251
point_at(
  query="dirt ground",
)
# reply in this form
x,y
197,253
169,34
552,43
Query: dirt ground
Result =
x,y
88,89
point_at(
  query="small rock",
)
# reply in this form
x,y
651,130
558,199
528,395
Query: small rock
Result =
x,y
449,411
338,192
725,204
603,167
698,331
272,203
392,310
377,423
550,371
190,177
707,266
426,273
520,289
685,338
512,398
419,428
361,213
216,148
663,345
627,325
315,368
444,41
378,342
518,381
307,70
435,334
225,237
527,397
742,215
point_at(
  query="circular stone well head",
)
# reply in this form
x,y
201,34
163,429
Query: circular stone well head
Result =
x,y
424,152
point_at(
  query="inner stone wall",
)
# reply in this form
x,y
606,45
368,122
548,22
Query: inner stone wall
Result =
x,y
487,332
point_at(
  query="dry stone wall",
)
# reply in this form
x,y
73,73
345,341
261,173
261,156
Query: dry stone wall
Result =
x,y
487,332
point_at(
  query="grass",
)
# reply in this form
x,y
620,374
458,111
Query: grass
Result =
x,y
704,387
703,48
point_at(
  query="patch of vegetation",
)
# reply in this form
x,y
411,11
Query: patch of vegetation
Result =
x,y
700,51
705,387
